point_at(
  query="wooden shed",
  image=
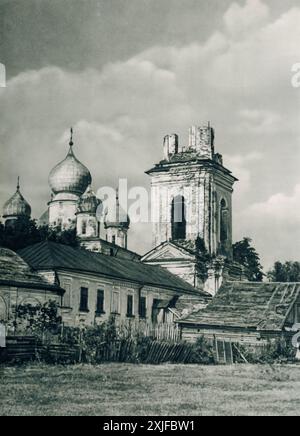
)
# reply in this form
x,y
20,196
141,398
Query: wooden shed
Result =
x,y
246,313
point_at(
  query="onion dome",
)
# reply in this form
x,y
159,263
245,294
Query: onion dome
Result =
x,y
17,206
88,202
117,217
70,175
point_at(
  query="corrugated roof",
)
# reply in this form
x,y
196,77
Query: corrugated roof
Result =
x,y
263,306
50,255
15,272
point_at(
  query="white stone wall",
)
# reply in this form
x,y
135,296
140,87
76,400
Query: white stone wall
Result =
x,y
74,281
118,236
203,190
64,212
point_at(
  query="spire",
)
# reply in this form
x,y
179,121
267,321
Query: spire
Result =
x,y
18,184
71,143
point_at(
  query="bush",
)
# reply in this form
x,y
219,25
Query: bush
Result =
x,y
202,352
275,352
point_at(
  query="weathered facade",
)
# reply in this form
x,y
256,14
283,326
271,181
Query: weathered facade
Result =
x,y
97,286
19,285
192,211
246,313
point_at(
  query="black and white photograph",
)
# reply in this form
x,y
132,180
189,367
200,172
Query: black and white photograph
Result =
x,y
149,211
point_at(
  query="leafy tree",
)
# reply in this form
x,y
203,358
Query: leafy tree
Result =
x,y
38,318
19,234
25,232
203,258
66,237
246,255
285,272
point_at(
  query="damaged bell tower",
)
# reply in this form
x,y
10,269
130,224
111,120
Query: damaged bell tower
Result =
x,y
191,193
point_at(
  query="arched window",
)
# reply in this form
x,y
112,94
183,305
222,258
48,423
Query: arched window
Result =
x,y
223,221
83,227
178,218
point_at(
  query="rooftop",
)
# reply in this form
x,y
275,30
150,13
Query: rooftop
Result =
x,y
53,256
262,306
15,272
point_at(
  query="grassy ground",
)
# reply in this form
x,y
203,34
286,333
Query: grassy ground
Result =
x,y
132,390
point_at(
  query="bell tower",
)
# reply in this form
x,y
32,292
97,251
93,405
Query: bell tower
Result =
x,y
192,194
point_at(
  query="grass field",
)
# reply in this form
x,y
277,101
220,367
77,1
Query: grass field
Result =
x,y
133,390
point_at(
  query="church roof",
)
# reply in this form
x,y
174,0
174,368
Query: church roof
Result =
x,y
14,271
260,306
17,206
88,202
116,216
70,175
50,255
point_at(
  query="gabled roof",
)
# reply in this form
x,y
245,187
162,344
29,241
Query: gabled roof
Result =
x,y
262,306
53,256
15,272
170,250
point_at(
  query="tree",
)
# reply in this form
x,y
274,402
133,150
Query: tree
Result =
x,y
247,256
38,319
19,234
285,272
25,232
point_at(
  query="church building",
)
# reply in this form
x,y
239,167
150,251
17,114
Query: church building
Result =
x,y
192,202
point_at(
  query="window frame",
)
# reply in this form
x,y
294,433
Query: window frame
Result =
x,y
84,308
130,297
102,311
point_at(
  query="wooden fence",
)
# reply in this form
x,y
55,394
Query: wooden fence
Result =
x,y
161,332
155,352
28,348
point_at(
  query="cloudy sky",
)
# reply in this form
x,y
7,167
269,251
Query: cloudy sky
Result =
x,y
126,72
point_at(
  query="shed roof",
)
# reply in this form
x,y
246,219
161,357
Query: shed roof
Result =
x,y
14,271
53,256
263,306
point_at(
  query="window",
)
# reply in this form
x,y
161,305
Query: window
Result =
x,y
223,222
59,223
83,228
114,240
155,310
67,295
130,305
84,300
100,301
178,218
115,302
143,307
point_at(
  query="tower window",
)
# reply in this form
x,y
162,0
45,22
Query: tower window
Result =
x,y
178,218
113,240
84,227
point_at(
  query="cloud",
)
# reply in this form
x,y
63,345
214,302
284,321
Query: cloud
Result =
x,y
240,80
274,226
242,19
260,121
